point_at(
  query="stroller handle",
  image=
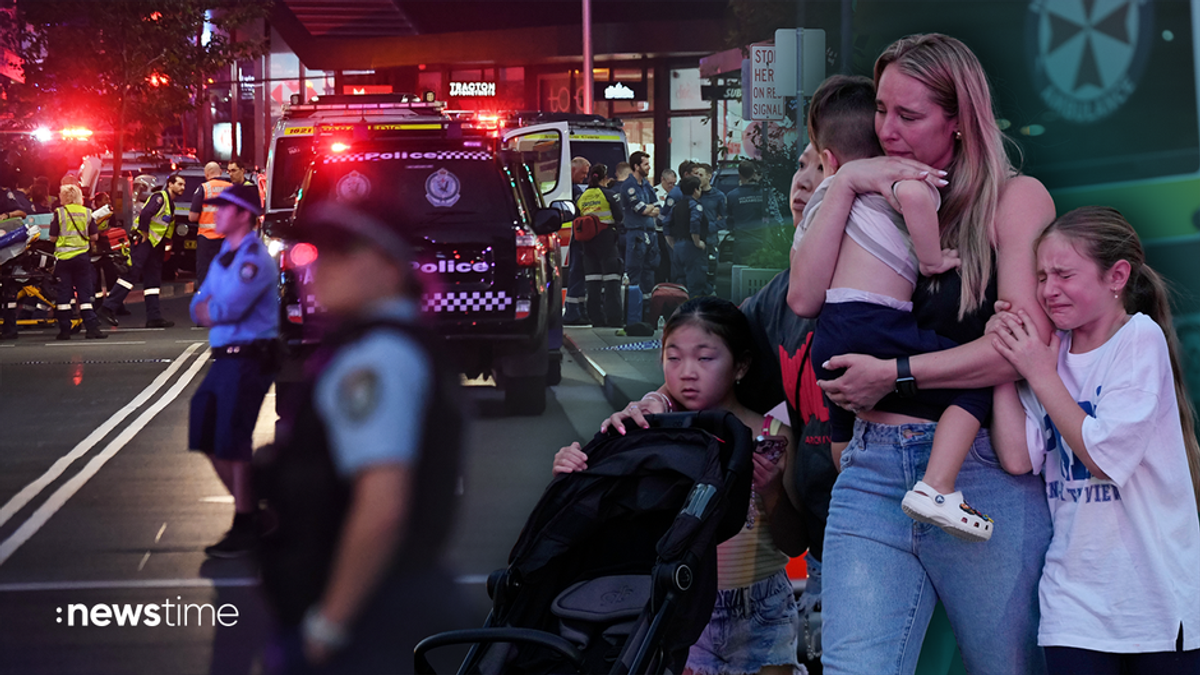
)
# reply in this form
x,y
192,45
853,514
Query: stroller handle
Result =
x,y
491,635
720,423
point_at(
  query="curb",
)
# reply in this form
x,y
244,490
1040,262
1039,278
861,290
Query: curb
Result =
x,y
619,390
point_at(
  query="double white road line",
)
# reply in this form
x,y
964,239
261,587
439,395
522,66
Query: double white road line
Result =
x,y
68,489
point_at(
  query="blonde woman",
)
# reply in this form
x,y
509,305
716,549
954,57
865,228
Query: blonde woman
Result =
x,y
73,232
883,573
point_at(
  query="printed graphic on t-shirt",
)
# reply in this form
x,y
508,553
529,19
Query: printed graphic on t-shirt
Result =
x,y
1074,482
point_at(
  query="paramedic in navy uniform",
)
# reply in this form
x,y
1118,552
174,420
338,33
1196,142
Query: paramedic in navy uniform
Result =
x,y
239,304
385,420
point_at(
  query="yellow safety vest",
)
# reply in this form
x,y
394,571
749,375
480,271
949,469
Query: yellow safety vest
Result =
x,y
160,224
593,202
72,231
208,214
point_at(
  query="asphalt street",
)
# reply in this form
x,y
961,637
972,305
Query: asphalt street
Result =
x,y
104,514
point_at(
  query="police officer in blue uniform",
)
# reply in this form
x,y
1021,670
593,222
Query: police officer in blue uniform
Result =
x,y
239,304
363,484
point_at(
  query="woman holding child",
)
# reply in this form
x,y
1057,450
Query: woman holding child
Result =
x,y
883,573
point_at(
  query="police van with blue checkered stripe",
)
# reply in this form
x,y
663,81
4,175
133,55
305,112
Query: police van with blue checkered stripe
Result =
x,y
485,248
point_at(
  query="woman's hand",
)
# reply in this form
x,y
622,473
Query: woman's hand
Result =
x,y
636,412
878,174
866,380
569,459
1018,340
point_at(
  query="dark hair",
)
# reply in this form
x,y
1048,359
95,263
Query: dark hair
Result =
x,y
172,178
841,118
686,166
719,317
635,159
747,169
689,185
237,161
596,174
1106,237
101,199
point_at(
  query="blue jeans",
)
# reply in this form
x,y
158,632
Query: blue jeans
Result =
x,y
883,572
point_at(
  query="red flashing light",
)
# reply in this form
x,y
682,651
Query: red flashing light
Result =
x,y
303,254
158,80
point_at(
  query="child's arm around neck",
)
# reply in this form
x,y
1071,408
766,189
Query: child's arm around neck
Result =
x,y
918,204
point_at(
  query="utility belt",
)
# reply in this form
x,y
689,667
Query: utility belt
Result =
x,y
262,350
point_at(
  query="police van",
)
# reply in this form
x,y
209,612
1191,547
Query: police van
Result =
x,y
486,252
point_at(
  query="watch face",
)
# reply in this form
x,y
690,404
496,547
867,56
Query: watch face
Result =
x,y
906,387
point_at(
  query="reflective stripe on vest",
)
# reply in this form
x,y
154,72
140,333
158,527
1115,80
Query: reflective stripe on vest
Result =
x,y
72,231
161,222
593,202
208,213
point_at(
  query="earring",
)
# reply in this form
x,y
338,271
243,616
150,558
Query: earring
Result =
x,y
958,135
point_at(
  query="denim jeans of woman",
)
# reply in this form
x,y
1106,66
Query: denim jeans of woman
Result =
x,y
884,572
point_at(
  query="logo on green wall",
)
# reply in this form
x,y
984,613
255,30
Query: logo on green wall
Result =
x,y
1088,55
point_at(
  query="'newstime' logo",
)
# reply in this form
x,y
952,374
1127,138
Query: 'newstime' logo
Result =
x,y
173,614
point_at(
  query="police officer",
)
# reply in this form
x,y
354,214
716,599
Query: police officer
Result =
x,y
363,484
601,262
239,304
237,172
574,313
204,214
154,224
641,237
73,231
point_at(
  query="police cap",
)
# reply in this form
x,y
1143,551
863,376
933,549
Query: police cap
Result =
x,y
244,196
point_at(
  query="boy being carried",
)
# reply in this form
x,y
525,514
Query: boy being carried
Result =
x,y
868,307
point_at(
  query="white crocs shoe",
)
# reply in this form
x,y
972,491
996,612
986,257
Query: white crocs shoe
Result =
x,y
949,512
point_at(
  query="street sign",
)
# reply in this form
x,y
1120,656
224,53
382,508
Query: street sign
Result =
x,y
763,102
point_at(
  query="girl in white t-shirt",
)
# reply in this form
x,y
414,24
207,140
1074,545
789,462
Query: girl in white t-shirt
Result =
x,y
1104,416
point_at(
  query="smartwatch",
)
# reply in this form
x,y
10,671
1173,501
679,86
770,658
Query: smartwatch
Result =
x,y
906,385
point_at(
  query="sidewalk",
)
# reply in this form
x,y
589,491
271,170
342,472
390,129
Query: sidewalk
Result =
x,y
625,367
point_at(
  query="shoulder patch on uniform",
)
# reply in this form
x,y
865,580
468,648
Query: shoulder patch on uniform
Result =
x,y
358,393
632,190
248,272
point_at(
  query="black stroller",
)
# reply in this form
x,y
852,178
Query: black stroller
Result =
x,y
615,570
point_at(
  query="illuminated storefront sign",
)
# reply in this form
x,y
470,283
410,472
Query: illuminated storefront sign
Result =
x,y
466,89
620,91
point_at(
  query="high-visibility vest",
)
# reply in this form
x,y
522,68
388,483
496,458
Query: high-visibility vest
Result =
x,y
160,224
593,202
208,214
72,231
